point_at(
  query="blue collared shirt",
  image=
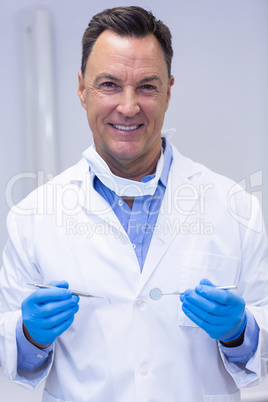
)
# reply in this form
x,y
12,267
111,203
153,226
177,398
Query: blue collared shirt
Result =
x,y
139,222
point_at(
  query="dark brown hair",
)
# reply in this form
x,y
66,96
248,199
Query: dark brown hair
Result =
x,y
127,21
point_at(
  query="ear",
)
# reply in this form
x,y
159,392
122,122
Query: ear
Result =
x,y
81,89
171,82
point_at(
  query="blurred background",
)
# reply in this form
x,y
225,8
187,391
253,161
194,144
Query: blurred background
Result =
x,y
219,101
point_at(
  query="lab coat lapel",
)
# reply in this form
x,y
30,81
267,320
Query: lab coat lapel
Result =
x,y
180,198
92,203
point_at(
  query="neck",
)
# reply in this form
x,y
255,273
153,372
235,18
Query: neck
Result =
x,y
132,173
129,201
134,170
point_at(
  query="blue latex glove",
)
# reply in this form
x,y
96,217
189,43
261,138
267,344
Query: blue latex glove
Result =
x,y
47,313
221,313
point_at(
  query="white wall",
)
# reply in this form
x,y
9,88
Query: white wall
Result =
x,y
219,103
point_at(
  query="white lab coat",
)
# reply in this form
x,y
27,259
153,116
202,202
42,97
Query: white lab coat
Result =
x,y
136,349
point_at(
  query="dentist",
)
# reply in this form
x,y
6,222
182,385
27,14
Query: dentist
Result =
x,y
143,199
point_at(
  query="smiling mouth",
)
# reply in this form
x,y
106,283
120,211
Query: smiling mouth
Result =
x,y
126,128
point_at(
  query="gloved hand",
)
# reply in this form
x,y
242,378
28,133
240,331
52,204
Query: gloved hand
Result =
x,y
47,313
221,313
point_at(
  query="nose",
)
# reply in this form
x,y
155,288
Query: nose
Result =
x,y
128,104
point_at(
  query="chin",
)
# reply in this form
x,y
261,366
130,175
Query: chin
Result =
x,y
126,151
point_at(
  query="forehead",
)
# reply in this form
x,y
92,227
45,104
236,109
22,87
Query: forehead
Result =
x,y
112,51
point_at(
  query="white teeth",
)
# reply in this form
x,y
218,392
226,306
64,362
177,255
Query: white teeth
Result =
x,y
126,128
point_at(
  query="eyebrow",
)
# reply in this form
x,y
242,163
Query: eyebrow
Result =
x,y
106,76
119,80
151,78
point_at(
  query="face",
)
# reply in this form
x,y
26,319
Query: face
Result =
x,y
126,92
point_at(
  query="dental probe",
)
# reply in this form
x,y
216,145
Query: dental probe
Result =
x,y
74,292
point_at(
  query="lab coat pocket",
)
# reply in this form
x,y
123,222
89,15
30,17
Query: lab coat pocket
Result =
x,y
194,266
47,397
223,398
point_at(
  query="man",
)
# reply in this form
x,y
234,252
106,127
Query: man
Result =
x,y
131,217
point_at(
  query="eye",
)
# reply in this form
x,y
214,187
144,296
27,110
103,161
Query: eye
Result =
x,y
148,88
108,85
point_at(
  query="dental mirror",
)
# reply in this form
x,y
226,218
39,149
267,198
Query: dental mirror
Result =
x,y
156,294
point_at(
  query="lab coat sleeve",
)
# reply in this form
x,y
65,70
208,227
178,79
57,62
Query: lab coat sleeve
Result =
x,y
19,267
241,354
253,287
29,356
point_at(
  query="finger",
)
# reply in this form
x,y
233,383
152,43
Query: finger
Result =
x,y
192,298
206,315
48,295
50,309
220,296
55,320
60,284
213,312
207,282
48,336
63,326
185,293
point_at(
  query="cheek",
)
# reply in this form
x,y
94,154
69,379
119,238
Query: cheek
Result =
x,y
155,104
154,109
98,108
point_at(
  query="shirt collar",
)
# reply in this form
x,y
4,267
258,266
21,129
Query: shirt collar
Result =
x,y
168,156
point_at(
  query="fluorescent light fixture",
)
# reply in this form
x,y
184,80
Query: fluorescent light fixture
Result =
x,y
37,59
